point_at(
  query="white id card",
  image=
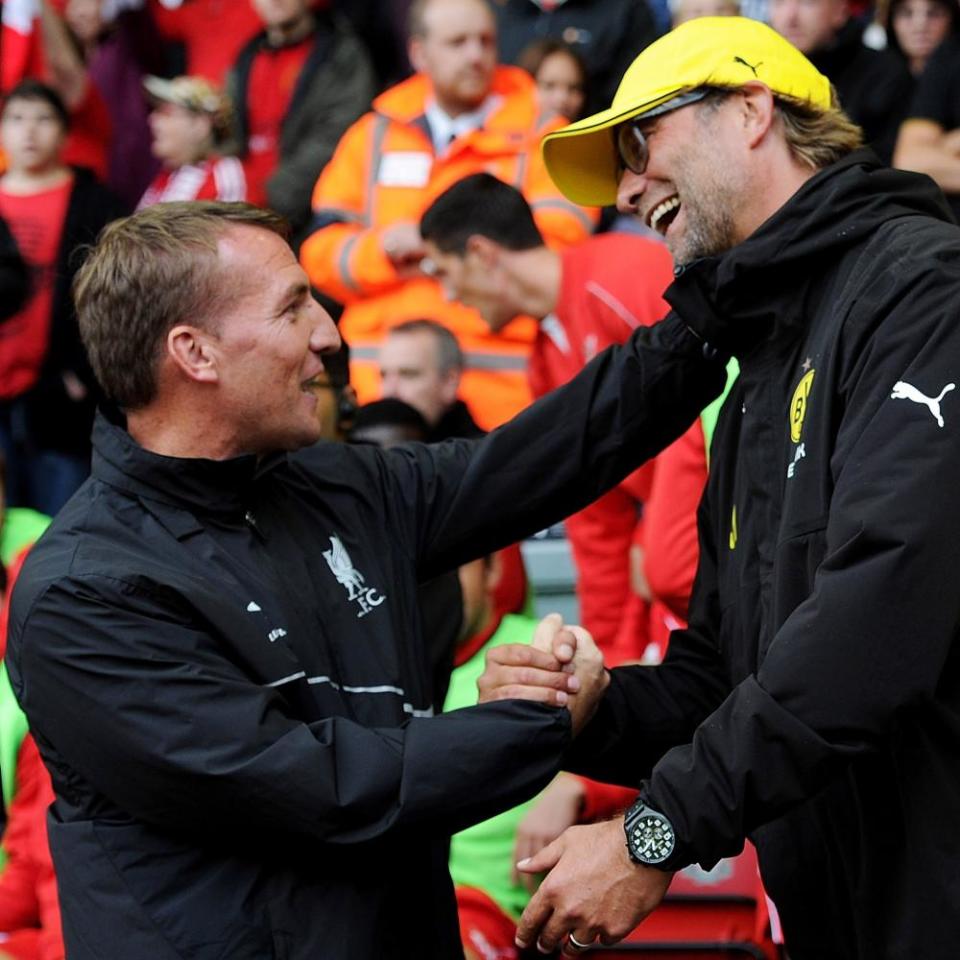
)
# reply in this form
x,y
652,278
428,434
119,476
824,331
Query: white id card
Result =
x,y
405,168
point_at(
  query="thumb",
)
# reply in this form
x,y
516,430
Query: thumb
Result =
x,y
546,630
545,860
584,639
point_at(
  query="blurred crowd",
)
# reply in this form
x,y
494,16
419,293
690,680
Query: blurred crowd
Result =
x,y
401,141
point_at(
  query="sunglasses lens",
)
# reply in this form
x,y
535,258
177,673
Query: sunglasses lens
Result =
x,y
632,147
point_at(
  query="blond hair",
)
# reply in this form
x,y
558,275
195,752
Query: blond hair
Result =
x,y
817,137
146,274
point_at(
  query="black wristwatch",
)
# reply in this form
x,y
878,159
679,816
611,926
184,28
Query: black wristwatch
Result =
x,y
650,836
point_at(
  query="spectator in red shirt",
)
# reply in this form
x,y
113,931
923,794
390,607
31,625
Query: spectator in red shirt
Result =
x,y
187,119
47,390
212,32
295,87
487,252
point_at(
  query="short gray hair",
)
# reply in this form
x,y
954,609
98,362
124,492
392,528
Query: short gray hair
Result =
x,y
449,354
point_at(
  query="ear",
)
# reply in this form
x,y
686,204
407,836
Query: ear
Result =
x,y
487,250
494,572
758,112
194,353
450,385
415,53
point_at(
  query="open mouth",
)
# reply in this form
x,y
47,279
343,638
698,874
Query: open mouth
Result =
x,y
663,214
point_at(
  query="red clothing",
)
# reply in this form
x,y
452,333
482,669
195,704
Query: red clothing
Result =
x,y
486,932
212,32
88,142
610,285
29,905
36,222
667,539
218,178
28,887
273,78
386,169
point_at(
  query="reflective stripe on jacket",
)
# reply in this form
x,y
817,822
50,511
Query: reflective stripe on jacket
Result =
x,y
385,171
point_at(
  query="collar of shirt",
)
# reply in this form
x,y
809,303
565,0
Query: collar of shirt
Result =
x,y
444,129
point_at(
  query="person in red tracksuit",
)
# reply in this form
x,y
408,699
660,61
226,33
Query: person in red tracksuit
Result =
x,y
485,248
30,927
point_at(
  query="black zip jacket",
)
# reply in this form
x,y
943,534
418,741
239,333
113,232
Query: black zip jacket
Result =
x,y
223,667
874,86
607,34
814,702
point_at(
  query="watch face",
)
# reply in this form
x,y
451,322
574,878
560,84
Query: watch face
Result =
x,y
651,838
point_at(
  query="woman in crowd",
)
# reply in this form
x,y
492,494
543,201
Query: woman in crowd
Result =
x,y
560,74
915,28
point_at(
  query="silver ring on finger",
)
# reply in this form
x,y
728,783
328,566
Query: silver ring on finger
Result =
x,y
575,944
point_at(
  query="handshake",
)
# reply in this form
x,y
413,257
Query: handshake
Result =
x,y
563,667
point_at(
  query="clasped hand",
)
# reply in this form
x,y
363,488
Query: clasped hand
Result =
x,y
593,890
562,667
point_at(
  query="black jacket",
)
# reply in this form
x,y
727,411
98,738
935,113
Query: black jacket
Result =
x,y
223,668
814,702
608,35
14,277
874,86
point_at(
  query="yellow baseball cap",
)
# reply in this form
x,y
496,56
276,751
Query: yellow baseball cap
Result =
x,y
709,51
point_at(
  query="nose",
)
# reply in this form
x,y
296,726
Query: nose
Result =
x,y
474,50
324,338
630,190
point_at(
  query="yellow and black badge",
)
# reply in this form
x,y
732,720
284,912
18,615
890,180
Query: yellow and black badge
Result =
x,y
798,405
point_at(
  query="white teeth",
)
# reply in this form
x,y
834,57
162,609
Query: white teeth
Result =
x,y
661,208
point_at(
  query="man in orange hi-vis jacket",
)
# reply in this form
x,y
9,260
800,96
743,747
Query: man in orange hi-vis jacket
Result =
x,y
459,114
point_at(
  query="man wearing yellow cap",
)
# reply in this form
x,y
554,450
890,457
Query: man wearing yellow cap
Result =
x,y
813,704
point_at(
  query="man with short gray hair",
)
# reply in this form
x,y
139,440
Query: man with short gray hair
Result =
x,y
421,363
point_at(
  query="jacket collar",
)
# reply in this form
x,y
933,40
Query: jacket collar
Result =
x,y
406,101
766,285
197,485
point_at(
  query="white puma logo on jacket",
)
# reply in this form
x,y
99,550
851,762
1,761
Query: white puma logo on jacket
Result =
x,y
906,391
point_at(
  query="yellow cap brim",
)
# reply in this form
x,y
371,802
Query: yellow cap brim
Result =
x,y
582,158
708,51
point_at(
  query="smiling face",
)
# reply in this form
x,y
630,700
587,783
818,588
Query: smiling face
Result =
x,y
691,188
267,348
457,51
